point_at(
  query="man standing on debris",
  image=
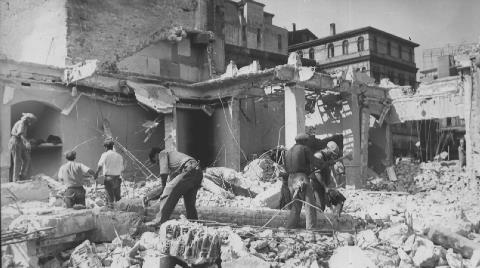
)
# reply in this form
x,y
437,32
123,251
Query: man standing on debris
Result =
x,y
184,179
298,162
321,179
72,175
20,147
111,163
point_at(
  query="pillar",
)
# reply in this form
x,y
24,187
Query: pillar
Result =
x,y
5,126
365,127
170,137
233,150
388,144
352,141
294,113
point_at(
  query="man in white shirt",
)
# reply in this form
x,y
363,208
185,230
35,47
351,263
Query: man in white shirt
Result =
x,y
111,165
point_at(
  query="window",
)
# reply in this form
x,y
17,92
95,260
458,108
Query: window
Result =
x,y
331,51
279,40
311,53
399,51
374,44
360,45
410,54
389,48
345,47
259,37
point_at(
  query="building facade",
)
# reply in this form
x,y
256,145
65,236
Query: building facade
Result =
x,y
378,53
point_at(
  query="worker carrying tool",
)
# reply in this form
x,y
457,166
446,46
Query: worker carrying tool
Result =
x,y
73,174
111,165
20,147
298,162
181,175
324,161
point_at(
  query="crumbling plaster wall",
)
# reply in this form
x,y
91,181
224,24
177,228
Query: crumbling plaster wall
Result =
x,y
473,154
226,135
33,31
261,122
82,127
111,30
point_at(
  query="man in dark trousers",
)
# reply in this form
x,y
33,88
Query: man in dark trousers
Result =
x,y
20,147
298,162
184,179
73,174
111,163
321,179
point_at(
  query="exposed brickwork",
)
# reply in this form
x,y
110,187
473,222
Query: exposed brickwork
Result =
x,y
110,30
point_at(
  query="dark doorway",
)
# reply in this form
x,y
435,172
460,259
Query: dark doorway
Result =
x,y
195,135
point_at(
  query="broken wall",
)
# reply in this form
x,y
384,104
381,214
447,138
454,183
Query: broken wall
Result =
x,y
262,123
111,30
473,128
81,128
34,31
174,61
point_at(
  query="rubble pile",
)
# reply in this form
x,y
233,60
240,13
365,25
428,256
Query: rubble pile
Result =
x,y
414,178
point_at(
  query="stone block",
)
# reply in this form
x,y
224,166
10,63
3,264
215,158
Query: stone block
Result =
x,y
189,73
247,261
29,190
184,48
110,223
350,257
153,66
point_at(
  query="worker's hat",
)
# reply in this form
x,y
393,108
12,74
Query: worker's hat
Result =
x,y
332,146
301,137
29,116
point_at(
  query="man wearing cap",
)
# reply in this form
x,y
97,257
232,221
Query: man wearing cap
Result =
x,y
181,175
20,147
298,162
111,165
324,160
73,174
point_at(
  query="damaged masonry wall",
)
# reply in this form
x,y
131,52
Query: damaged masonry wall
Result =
x,y
82,127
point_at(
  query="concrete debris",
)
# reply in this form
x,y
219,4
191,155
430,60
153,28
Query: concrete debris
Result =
x,y
423,254
394,235
454,260
366,239
350,257
84,256
263,169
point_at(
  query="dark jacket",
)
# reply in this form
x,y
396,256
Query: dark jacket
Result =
x,y
299,159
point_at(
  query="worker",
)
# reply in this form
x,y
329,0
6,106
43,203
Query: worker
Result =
x,y
461,153
20,147
324,160
111,165
182,176
73,174
298,162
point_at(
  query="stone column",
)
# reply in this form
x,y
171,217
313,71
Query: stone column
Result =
x,y
365,127
5,126
294,113
170,121
388,144
233,150
352,141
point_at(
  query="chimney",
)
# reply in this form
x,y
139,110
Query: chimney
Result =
x,y
294,27
332,29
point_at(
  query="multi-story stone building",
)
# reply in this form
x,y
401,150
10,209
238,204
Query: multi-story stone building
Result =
x,y
250,35
380,54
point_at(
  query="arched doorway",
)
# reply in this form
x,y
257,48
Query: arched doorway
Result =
x,y
44,135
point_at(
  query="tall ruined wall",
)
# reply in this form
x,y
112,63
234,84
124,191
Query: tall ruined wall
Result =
x,y
33,31
261,122
110,30
474,129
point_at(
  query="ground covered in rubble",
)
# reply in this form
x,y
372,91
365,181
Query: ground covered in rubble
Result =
x,y
400,223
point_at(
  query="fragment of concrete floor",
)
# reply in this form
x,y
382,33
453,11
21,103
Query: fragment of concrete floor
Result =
x,y
350,257
39,188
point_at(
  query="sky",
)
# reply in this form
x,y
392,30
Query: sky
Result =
x,y
429,23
